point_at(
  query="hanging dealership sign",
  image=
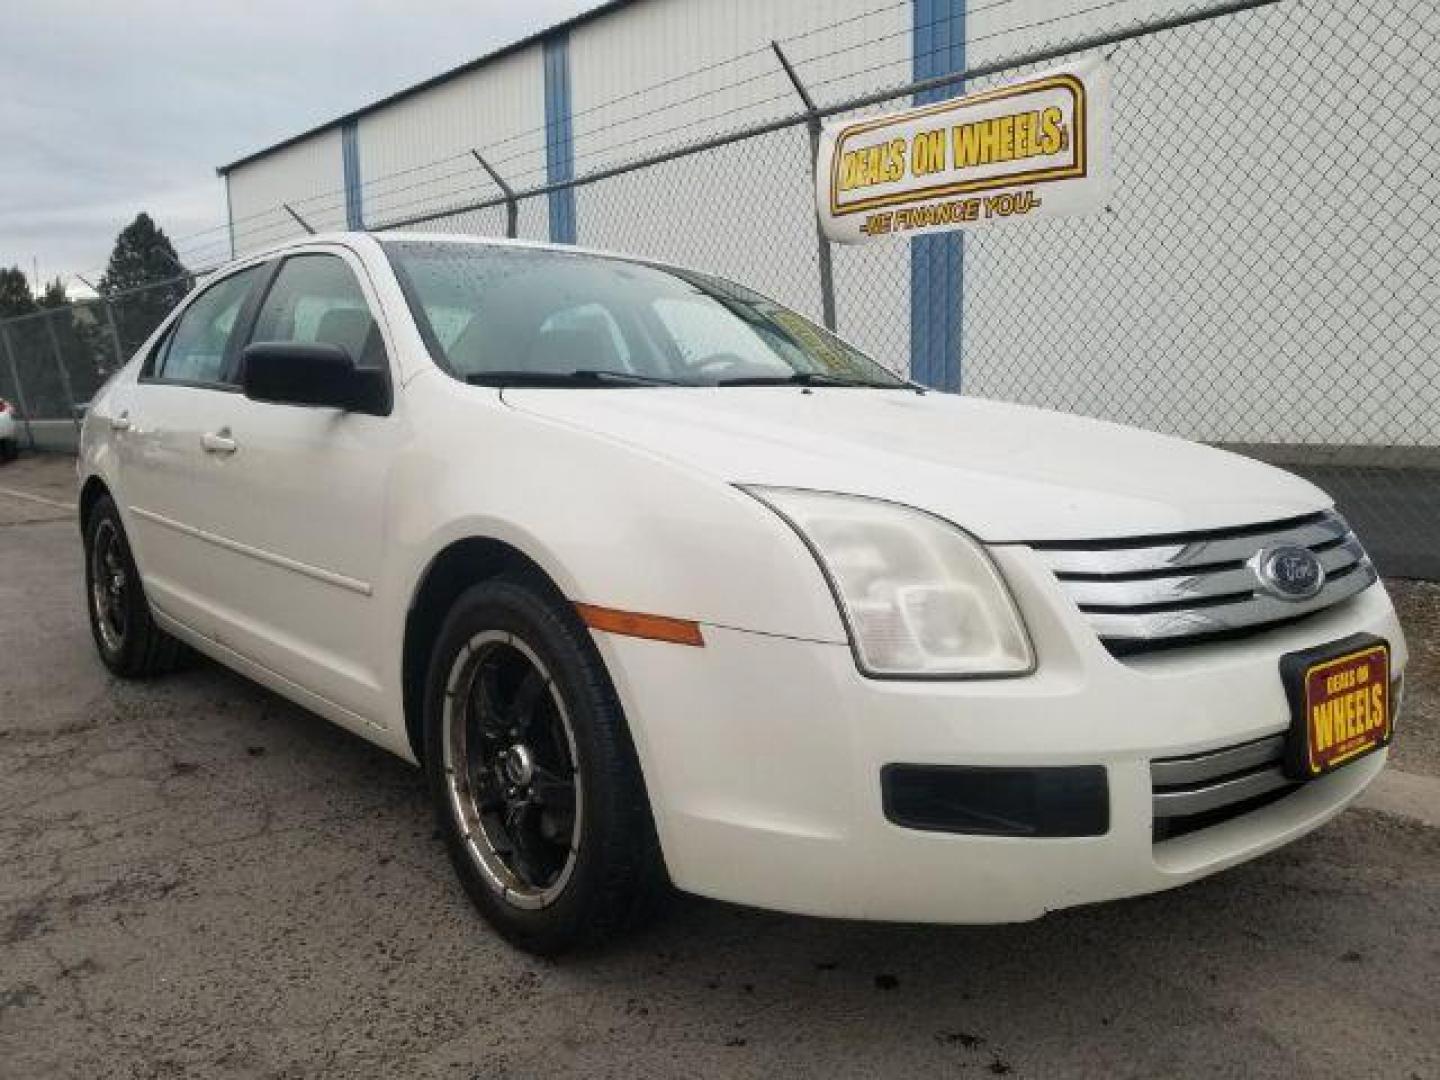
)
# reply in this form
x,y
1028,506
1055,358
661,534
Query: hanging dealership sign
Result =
x,y
1036,148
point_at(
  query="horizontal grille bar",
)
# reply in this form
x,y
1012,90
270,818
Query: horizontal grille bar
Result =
x,y
1197,768
1195,586
1171,804
1253,612
1208,550
1142,593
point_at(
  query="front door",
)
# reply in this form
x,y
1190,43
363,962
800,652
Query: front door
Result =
x,y
306,494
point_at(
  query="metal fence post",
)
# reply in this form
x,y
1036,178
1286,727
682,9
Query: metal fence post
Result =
x,y
60,367
512,206
114,335
104,302
822,246
101,299
298,219
19,386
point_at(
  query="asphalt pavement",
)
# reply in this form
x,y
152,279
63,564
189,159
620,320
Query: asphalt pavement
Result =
x,y
199,879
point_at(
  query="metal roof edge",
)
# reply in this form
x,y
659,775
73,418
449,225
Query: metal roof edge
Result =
x,y
435,80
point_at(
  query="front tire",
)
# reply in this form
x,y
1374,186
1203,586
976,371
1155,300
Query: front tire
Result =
x,y
536,785
129,642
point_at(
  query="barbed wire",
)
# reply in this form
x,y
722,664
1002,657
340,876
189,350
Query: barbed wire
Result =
x,y
387,198
520,181
385,204
334,199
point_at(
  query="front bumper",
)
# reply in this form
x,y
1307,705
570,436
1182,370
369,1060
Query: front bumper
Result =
x,y
763,758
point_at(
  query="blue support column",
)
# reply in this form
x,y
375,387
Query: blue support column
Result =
x,y
559,142
350,162
937,262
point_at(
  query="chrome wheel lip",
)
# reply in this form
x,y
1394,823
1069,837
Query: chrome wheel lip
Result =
x,y
464,804
109,585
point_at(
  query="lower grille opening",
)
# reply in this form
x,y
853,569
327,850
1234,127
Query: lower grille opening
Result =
x,y
1199,791
1172,828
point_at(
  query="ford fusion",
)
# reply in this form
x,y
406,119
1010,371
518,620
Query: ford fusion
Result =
x,y
663,583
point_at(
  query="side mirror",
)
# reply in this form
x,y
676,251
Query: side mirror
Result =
x,y
316,374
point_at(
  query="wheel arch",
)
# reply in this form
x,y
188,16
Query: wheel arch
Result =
x,y
455,568
91,492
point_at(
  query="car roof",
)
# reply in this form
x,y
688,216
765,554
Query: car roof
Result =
x,y
349,238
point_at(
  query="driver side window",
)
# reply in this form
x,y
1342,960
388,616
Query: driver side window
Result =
x,y
194,350
316,299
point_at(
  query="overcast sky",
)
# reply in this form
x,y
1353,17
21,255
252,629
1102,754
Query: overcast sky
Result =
x,y
109,108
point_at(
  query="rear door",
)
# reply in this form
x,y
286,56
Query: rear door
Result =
x,y
164,436
305,501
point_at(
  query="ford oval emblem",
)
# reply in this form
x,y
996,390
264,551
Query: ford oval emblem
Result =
x,y
1290,573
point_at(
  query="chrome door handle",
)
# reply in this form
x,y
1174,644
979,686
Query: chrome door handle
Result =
x,y
121,422
219,442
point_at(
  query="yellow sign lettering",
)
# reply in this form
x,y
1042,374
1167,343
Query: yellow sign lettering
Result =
x,y
1012,137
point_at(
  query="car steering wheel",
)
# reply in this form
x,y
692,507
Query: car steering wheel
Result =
x,y
719,362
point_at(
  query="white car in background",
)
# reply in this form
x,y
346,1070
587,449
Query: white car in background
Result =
x,y
9,432
661,581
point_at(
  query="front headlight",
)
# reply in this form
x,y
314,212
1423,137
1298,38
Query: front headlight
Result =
x,y
920,597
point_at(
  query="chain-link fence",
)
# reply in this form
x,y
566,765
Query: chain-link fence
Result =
x,y
1264,277
53,361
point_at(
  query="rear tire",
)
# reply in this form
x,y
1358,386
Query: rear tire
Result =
x,y
129,642
517,697
9,450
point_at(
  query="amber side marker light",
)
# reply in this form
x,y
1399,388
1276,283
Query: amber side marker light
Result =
x,y
634,624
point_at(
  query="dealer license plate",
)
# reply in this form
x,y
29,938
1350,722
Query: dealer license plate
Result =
x,y
1340,705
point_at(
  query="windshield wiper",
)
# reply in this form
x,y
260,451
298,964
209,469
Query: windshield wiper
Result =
x,y
807,378
580,377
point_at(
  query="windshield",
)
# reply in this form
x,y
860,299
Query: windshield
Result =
x,y
511,315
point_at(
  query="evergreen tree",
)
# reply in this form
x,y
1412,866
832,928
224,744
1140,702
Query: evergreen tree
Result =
x,y
54,295
146,269
15,298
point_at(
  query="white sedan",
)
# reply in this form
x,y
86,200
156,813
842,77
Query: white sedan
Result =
x,y
662,582
9,432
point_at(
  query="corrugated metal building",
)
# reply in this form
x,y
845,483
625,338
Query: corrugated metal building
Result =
x,y
632,77
1264,257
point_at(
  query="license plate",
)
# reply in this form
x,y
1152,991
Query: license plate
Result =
x,y
1340,705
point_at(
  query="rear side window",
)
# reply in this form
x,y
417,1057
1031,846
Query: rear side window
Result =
x,y
196,348
315,298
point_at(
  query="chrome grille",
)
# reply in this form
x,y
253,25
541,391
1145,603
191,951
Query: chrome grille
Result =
x,y
1200,790
1157,591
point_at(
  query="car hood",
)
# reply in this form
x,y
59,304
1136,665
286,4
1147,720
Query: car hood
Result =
x,y
1006,473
